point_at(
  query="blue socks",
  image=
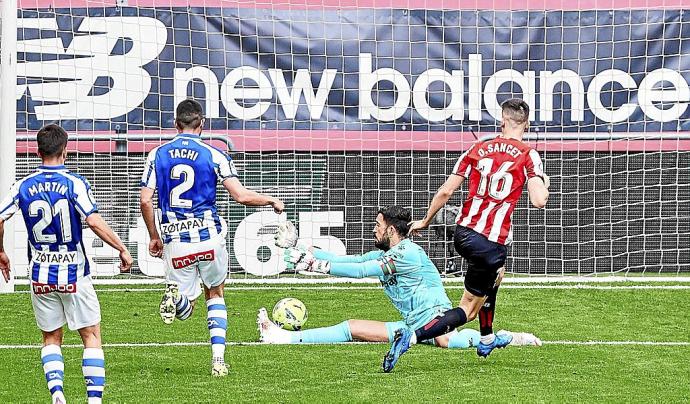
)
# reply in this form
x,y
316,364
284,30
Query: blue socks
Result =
x,y
324,335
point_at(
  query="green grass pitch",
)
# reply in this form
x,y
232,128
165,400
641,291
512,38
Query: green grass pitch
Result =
x,y
352,373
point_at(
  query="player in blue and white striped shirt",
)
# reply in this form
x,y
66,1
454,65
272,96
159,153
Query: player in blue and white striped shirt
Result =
x,y
53,202
185,173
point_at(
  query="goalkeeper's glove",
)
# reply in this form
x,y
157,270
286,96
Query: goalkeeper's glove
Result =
x,y
286,235
301,259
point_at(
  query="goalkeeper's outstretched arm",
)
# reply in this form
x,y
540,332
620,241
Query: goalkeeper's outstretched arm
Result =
x,y
302,259
356,270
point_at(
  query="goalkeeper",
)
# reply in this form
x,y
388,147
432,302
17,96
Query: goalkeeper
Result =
x,y
409,279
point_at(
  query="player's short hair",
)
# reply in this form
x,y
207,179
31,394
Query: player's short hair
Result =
x,y
398,217
52,140
516,109
188,114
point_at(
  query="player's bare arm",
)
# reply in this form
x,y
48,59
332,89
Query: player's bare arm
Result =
x,y
105,233
442,196
538,190
247,197
4,259
147,212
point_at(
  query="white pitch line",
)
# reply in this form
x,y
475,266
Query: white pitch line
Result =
x,y
183,344
643,343
450,287
592,287
320,280
447,287
169,344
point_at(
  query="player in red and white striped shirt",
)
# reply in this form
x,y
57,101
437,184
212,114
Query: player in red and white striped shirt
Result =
x,y
497,171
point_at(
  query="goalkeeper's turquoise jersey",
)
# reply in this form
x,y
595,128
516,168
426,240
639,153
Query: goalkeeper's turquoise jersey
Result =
x,y
409,279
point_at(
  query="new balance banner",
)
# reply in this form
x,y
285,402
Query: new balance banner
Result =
x,y
354,70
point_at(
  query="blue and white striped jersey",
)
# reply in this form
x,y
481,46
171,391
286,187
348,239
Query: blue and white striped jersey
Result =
x,y
53,202
185,172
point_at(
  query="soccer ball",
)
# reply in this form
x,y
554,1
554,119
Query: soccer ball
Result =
x,y
290,314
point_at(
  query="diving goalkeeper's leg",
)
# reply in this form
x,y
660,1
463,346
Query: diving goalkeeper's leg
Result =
x,y
347,331
469,338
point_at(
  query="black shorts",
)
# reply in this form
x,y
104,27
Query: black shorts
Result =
x,y
484,259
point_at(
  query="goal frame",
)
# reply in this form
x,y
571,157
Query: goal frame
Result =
x,y
8,116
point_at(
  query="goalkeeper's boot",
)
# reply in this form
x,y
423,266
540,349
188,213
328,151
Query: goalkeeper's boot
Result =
x,y
522,338
168,307
269,332
401,343
219,368
500,341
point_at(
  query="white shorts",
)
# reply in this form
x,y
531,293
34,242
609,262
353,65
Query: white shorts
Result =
x,y
187,263
75,304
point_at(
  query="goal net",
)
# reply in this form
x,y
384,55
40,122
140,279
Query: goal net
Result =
x,y
342,107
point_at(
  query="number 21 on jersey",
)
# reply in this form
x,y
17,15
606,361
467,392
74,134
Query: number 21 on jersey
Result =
x,y
45,212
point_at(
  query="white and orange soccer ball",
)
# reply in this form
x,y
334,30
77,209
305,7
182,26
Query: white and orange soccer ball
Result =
x,y
290,314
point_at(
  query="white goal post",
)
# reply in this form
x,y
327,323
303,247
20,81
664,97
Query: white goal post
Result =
x,y
8,115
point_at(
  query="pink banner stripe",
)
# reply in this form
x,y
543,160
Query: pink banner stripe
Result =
x,y
399,4
324,141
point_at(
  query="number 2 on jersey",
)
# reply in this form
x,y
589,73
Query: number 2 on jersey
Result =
x,y
499,182
176,173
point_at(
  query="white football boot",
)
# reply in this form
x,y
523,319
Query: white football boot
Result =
x,y
522,338
219,368
269,333
168,308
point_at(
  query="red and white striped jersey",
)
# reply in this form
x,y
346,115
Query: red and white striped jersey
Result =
x,y
497,171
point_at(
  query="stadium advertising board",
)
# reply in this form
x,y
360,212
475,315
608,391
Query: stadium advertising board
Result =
x,y
349,70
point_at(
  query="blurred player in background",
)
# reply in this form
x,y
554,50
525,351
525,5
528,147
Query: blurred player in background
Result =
x,y
185,172
497,171
409,278
53,202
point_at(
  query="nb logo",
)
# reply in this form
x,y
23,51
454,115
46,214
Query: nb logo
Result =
x,y
53,375
66,93
212,322
89,381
